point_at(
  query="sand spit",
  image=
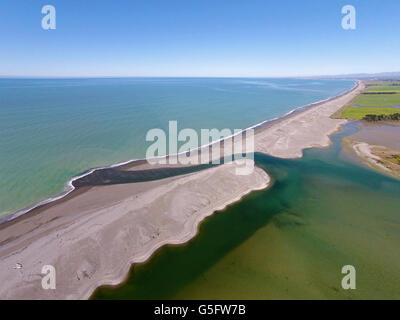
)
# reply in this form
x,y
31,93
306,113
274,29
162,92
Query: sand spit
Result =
x,y
364,151
312,127
380,158
93,238
93,235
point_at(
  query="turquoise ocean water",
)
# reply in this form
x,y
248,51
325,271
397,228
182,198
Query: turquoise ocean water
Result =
x,y
54,129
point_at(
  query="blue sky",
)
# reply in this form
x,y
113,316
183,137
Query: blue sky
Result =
x,y
250,38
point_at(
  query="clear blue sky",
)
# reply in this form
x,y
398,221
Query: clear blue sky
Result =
x,y
198,38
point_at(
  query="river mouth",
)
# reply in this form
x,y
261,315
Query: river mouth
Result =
x,y
287,242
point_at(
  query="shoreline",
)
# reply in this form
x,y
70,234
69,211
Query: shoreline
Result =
x,y
100,224
93,239
371,148
191,233
70,188
287,137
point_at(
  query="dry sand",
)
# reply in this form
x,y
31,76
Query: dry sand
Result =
x,y
312,127
93,238
364,151
380,158
93,235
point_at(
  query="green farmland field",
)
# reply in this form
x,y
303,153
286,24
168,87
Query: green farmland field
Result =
x,y
381,99
361,112
378,100
384,89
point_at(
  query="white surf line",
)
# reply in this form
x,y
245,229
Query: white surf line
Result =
x,y
71,188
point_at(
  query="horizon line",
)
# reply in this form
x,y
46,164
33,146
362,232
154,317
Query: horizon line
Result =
x,y
351,75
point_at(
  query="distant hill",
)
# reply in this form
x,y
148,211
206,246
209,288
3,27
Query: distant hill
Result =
x,y
371,76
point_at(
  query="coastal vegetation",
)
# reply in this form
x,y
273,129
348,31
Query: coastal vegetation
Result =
x,y
382,117
379,157
395,158
385,99
382,95
371,113
379,101
383,83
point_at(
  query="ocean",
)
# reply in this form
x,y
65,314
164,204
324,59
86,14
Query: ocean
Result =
x,y
55,129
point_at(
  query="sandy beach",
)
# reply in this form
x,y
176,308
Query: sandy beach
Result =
x,y
93,235
289,136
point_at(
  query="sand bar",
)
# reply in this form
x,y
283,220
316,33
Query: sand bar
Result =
x,y
288,137
94,234
94,237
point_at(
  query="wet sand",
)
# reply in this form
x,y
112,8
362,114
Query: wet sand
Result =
x,y
93,235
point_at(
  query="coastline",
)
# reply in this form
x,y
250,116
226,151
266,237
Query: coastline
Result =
x,y
124,165
372,147
310,128
93,238
313,125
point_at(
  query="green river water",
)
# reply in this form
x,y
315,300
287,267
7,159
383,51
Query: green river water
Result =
x,y
290,241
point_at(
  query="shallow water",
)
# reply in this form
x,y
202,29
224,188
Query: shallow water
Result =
x,y
288,242
387,135
53,129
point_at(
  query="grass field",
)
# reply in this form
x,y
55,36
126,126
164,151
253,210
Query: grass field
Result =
x,y
361,112
382,83
379,100
383,89
375,104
